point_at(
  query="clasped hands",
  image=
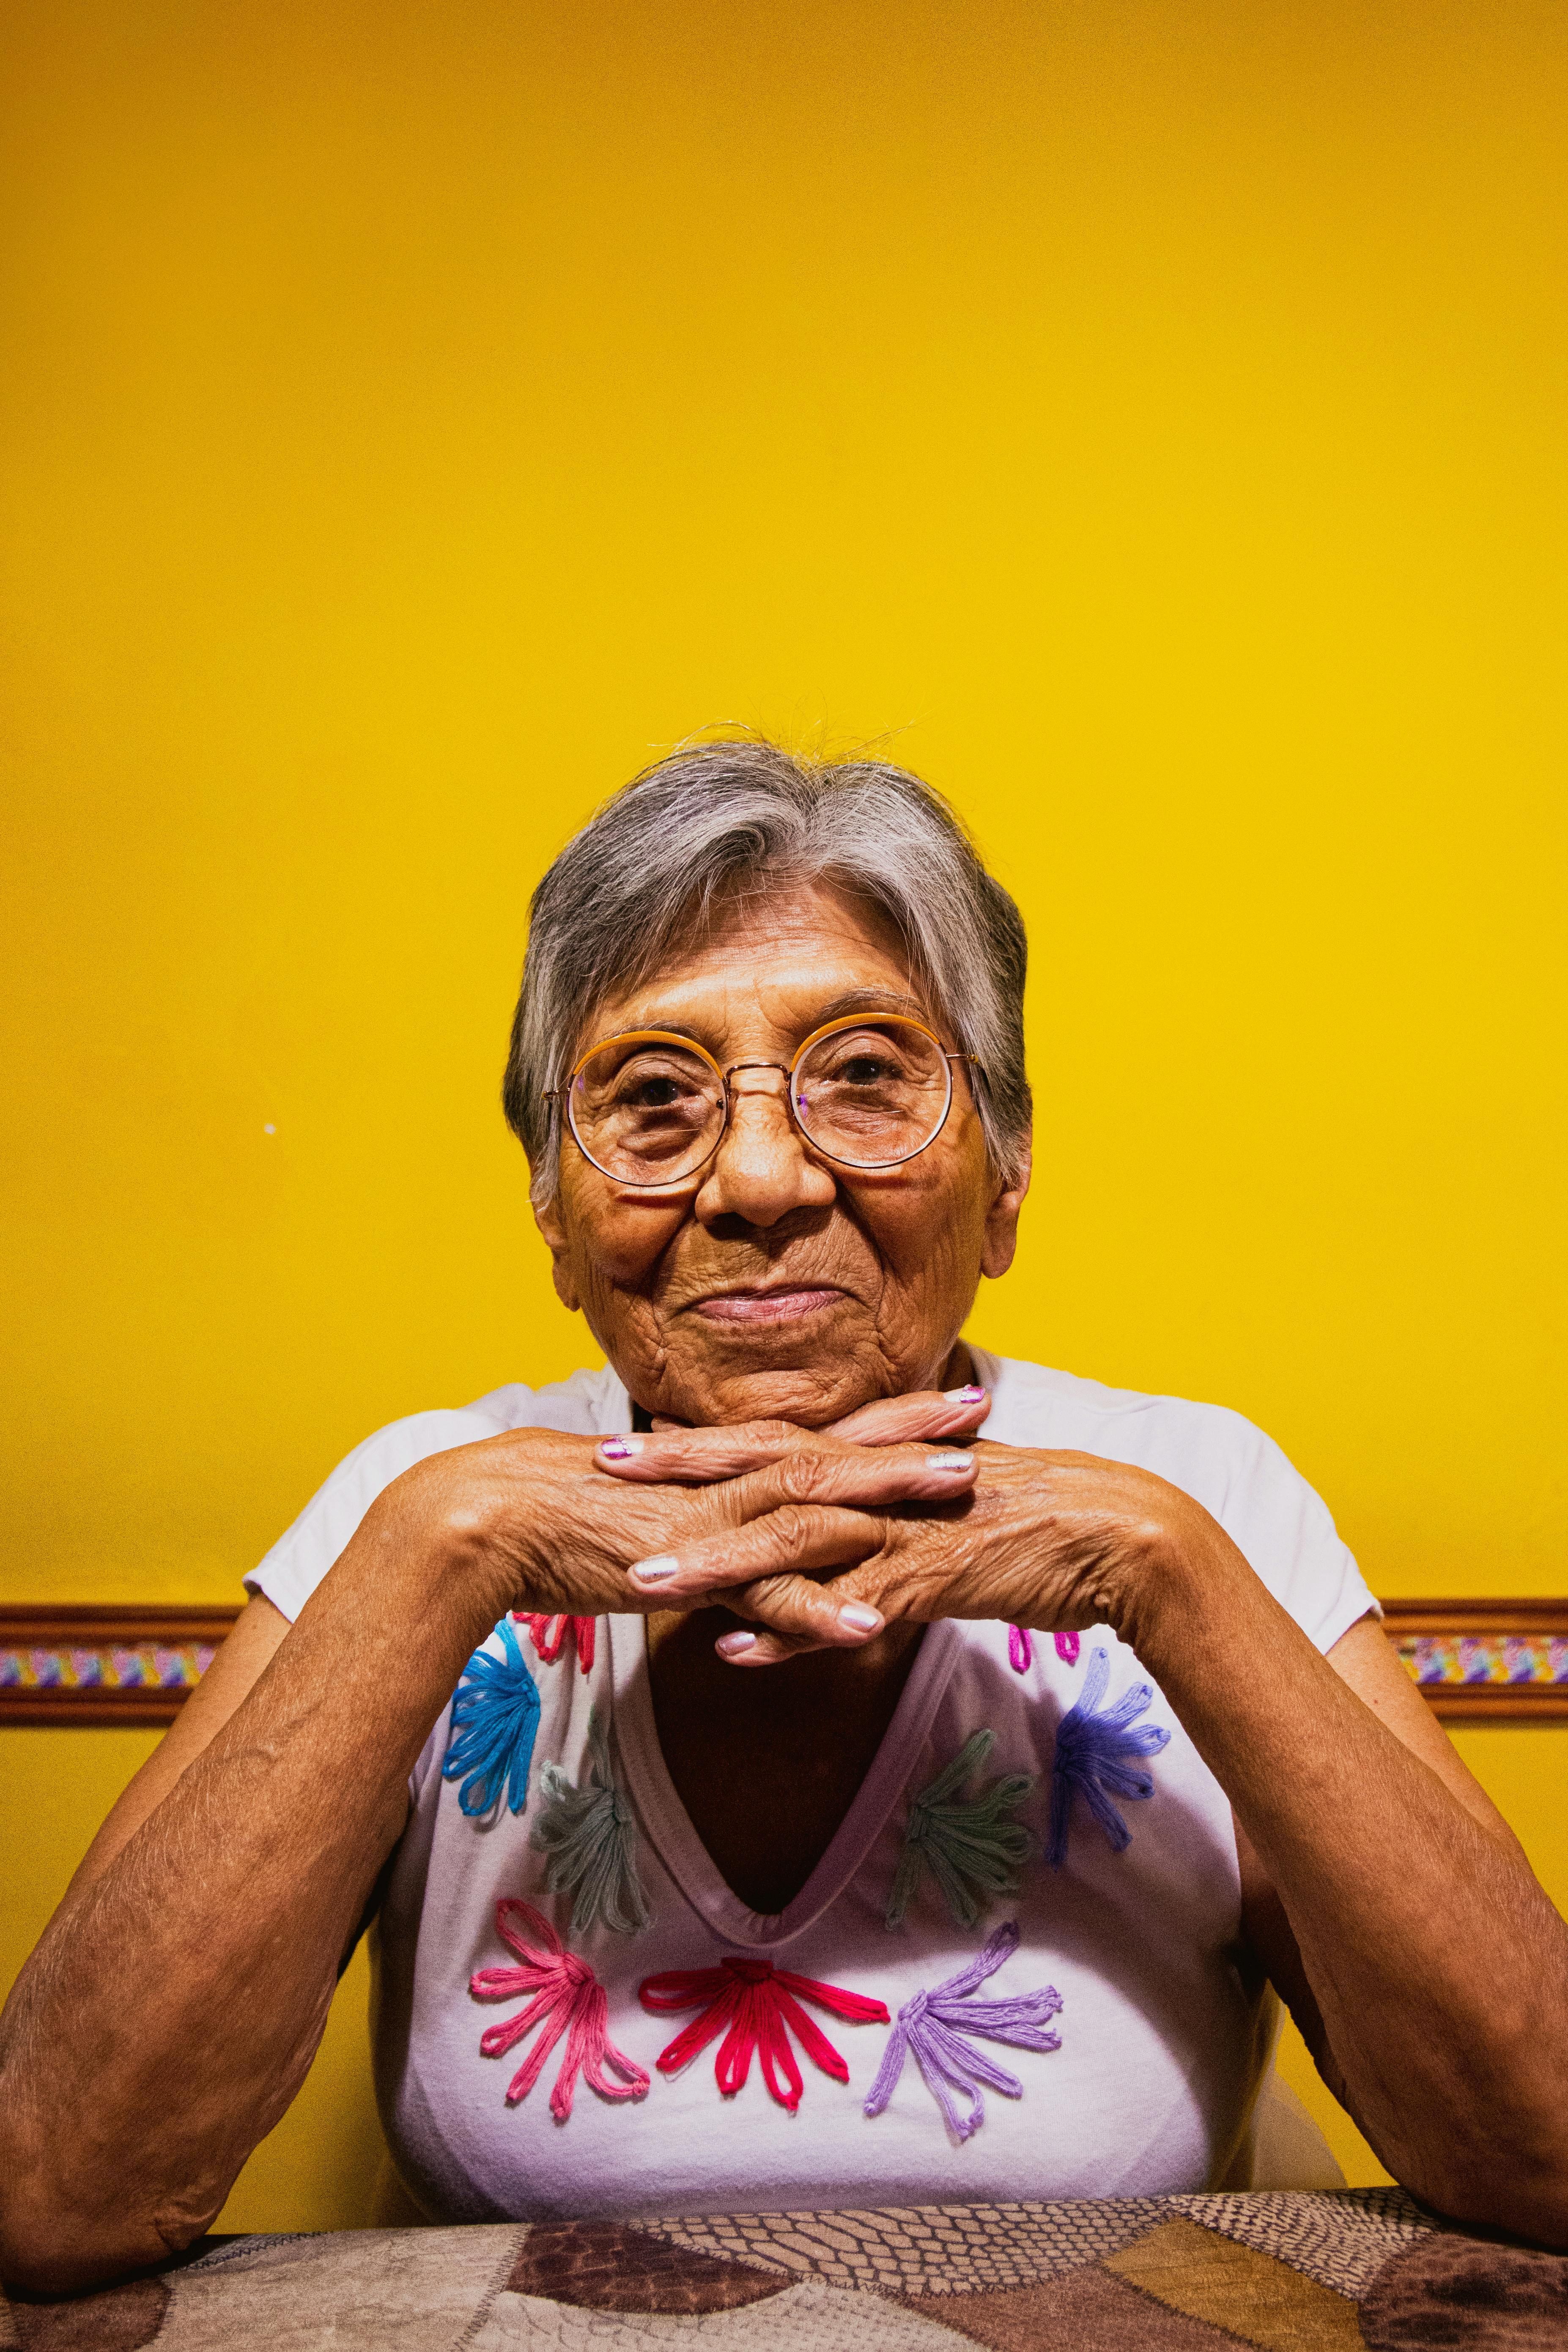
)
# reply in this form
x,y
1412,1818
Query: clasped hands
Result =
x,y
818,1539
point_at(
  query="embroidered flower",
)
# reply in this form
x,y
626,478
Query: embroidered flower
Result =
x,y
1095,1760
751,2002
549,1635
567,1998
970,1847
933,2025
495,1717
590,1835
1021,1648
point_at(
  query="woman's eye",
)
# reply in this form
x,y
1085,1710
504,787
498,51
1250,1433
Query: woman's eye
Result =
x,y
652,1094
862,1070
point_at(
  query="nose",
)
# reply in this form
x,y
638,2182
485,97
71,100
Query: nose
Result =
x,y
761,1171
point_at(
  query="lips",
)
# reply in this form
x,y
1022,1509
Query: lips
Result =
x,y
783,1304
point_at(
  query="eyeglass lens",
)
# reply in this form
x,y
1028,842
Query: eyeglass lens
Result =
x,y
649,1112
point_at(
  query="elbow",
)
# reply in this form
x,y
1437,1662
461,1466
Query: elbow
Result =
x,y
52,2245
1524,2199
47,2256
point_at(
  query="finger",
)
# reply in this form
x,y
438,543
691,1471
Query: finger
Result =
x,y
791,1615
854,1478
794,1540
930,1413
787,1617
768,1462
700,1456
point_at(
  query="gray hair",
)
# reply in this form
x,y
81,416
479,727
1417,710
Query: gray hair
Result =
x,y
646,870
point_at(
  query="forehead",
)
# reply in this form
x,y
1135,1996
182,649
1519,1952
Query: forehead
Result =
x,y
768,969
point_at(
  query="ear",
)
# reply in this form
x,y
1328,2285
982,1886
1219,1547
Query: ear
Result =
x,y
1002,1217
553,1227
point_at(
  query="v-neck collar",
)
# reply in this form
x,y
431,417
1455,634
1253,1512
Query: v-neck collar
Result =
x,y
670,1826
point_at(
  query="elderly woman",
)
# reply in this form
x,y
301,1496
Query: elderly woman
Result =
x,y
1088,1736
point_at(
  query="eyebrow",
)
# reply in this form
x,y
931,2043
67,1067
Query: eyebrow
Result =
x,y
854,1000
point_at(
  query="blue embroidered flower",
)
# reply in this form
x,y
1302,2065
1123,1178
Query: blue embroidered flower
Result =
x,y
1094,1759
495,1717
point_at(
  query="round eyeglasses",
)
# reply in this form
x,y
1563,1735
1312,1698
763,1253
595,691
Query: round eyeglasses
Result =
x,y
651,1107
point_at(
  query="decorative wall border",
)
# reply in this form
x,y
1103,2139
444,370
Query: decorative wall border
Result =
x,y
1473,1661
98,1664
1485,1661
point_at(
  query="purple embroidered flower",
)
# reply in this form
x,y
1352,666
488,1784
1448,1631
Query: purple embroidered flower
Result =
x,y
933,2026
1096,1759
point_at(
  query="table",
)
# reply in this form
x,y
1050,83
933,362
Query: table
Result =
x,y
1284,2271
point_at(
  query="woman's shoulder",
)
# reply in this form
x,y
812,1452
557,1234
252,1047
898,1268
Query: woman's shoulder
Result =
x,y
1124,1424
587,1404
1222,1460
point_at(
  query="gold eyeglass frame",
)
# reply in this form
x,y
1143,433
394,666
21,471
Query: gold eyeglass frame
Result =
x,y
724,1073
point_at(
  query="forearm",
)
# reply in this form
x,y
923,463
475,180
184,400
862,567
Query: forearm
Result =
x,y
173,2008
1438,1966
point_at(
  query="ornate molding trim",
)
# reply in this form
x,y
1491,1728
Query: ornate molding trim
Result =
x,y
98,1664
1473,1661
1485,1661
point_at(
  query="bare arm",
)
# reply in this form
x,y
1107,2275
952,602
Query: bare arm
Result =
x,y
200,1942
1393,1906
1363,1659
228,1682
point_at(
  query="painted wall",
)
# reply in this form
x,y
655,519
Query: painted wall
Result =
x,y
1148,416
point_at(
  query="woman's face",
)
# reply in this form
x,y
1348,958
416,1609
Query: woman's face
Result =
x,y
776,1284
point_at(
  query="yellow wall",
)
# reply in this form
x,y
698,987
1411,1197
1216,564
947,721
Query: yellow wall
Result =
x,y
1149,414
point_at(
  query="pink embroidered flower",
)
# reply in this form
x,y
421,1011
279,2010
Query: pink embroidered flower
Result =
x,y
568,1999
1021,1648
549,1635
755,2001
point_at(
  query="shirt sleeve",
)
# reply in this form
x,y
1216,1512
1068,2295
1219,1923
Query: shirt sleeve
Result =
x,y
300,1557
1288,1534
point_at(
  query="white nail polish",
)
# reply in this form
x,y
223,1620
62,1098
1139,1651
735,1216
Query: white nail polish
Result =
x,y
855,1618
735,1646
971,1395
620,1449
656,1570
951,1462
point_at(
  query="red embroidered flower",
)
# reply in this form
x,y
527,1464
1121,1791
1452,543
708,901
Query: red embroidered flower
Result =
x,y
567,1998
755,2001
549,1635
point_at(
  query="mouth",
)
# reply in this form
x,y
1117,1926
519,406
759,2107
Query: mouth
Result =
x,y
786,1304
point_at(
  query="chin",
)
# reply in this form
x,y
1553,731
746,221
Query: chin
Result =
x,y
810,1395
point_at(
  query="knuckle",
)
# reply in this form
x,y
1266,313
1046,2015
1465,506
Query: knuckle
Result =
x,y
782,1603
791,1530
800,1476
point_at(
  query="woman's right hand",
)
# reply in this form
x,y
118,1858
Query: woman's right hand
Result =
x,y
532,1520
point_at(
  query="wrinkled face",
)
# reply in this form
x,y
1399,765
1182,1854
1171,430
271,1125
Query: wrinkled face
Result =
x,y
774,1282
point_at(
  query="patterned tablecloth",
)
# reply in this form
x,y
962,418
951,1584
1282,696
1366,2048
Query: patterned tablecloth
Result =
x,y
1285,2273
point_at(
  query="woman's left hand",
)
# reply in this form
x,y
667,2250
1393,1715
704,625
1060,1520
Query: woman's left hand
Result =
x,y
1052,1542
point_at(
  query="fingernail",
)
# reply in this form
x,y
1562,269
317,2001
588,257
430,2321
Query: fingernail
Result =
x,y
971,1395
855,1618
620,1449
735,1646
949,1461
656,1570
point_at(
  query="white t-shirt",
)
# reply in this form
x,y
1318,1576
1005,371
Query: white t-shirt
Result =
x,y
1161,2039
